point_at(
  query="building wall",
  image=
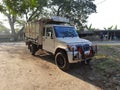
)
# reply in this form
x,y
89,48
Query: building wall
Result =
x,y
5,38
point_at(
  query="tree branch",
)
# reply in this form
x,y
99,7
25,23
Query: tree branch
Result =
x,y
34,12
58,11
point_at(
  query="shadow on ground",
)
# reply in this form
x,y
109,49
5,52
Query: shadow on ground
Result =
x,y
79,70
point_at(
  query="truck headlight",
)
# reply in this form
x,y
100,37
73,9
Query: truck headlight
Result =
x,y
72,47
94,47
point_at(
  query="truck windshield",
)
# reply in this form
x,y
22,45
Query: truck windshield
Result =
x,y
64,31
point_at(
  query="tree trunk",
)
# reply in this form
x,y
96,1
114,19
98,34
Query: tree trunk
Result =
x,y
14,35
58,11
12,20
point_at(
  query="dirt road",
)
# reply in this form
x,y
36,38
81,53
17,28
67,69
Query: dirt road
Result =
x,y
19,70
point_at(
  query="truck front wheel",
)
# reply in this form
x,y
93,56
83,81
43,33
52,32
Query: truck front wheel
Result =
x,y
62,61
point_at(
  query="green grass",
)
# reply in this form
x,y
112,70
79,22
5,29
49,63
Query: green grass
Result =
x,y
108,64
107,60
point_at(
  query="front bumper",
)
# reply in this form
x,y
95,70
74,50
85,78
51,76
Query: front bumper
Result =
x,y
76,56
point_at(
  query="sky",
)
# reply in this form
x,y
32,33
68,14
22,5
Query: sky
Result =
x,y
108,14
4,20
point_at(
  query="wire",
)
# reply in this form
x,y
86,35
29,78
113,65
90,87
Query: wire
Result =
x,y
101,2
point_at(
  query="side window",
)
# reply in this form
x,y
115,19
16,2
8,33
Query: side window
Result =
x,y
49,32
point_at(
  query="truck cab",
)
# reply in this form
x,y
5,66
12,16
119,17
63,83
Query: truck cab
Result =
x,y
63,42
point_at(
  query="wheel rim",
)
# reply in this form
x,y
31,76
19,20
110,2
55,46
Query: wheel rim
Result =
x,y
60,61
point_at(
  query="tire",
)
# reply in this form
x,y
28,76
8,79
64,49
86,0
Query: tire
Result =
x,y
87,61
62,61
33,49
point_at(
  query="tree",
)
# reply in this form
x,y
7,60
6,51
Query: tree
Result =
x,y
76,10
11,18
90,28
28,8
111,28
14,9
3,29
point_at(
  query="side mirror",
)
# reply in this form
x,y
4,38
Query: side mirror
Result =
x,y
49,34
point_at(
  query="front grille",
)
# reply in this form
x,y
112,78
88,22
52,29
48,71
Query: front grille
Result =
x,y
86,47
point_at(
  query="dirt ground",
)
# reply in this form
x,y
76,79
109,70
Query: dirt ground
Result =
x,y
19,70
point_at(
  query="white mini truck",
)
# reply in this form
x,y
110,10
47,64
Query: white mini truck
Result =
x,y
60,39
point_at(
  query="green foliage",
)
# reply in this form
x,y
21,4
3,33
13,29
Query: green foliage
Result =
x,y
107,59
111,28
90,28
4,30
29,8
106,64
115,27
15,5
1,8
76,10
13,9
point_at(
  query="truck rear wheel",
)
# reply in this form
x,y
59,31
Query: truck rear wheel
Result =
x,y
33,49
62,61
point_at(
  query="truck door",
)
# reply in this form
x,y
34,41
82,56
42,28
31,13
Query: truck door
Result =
x,y
48,40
